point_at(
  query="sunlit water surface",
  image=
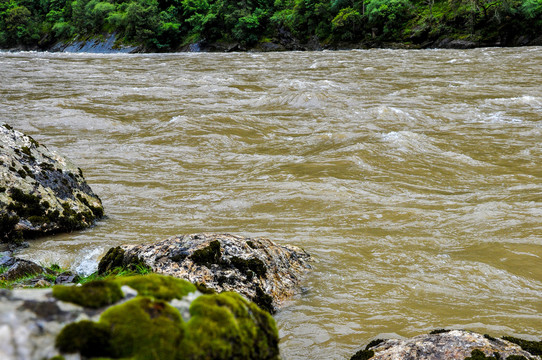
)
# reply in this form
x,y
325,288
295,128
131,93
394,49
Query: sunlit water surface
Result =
x,y
414,178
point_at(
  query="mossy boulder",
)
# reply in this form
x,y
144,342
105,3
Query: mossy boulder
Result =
x,y
138,317
40,192
150,326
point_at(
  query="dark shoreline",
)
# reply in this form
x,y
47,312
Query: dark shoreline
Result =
x,y
107,44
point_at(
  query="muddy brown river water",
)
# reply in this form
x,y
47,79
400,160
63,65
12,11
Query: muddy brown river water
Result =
x,y
414,178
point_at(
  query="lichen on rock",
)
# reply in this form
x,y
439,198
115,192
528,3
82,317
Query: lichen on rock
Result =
x,y
257,268
40,192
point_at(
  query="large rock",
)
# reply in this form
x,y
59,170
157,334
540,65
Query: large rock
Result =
x,y
449,345
40,192
140,317
258,268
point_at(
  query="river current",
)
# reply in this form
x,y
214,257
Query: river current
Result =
x,y
414,178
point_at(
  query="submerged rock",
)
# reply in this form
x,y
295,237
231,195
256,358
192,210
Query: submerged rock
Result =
x,y
447,345
40,192
259,269
139,317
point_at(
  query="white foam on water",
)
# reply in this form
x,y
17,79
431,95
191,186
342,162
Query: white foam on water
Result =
x,y
87,262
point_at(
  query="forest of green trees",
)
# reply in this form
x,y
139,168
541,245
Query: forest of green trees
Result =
x,y
167,25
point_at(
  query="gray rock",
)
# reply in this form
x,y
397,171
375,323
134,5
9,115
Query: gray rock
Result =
x,y
40,191
20,268
447,345
106,45
29,323
258,268
66,278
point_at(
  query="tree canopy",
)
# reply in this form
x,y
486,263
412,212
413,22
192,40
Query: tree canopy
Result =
x,y
167,25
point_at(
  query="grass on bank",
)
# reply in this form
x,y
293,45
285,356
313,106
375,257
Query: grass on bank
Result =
x,y
54,270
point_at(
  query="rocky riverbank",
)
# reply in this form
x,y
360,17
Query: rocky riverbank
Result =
x,y
107,45
41,192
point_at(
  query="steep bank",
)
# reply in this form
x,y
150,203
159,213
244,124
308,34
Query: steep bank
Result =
x,y
108,44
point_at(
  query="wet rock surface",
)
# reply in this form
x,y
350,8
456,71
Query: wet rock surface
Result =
x,y
138,317
40,192
445,345
19,268
257,268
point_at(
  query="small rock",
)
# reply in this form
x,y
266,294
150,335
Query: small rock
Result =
x,y
66,278
42,283
21,268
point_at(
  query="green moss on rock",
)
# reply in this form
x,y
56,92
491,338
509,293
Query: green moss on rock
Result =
x,y
221,326
208,255
115,261
94,294
227,326
144,328
249,267
157,286
7,228
264,300
479,355
363,355
88,338
533,347
114,258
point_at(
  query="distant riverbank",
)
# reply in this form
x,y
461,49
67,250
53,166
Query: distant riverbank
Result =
x,y
108,43
151,26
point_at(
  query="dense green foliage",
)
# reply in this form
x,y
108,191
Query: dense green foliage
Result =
x,y
166,25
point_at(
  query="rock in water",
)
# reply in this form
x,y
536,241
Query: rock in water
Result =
x,y
40,192
446,345
139,317
259,269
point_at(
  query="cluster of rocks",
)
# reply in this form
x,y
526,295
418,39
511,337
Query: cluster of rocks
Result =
x,y
40,192
257,268
139,317
21,273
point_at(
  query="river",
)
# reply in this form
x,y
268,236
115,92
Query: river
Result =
x,y
414,178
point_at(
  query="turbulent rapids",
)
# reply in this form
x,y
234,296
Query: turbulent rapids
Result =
x,y
412,177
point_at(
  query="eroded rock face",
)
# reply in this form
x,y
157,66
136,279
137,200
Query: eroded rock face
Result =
x,y
40,191
445,345
139,317
259,269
